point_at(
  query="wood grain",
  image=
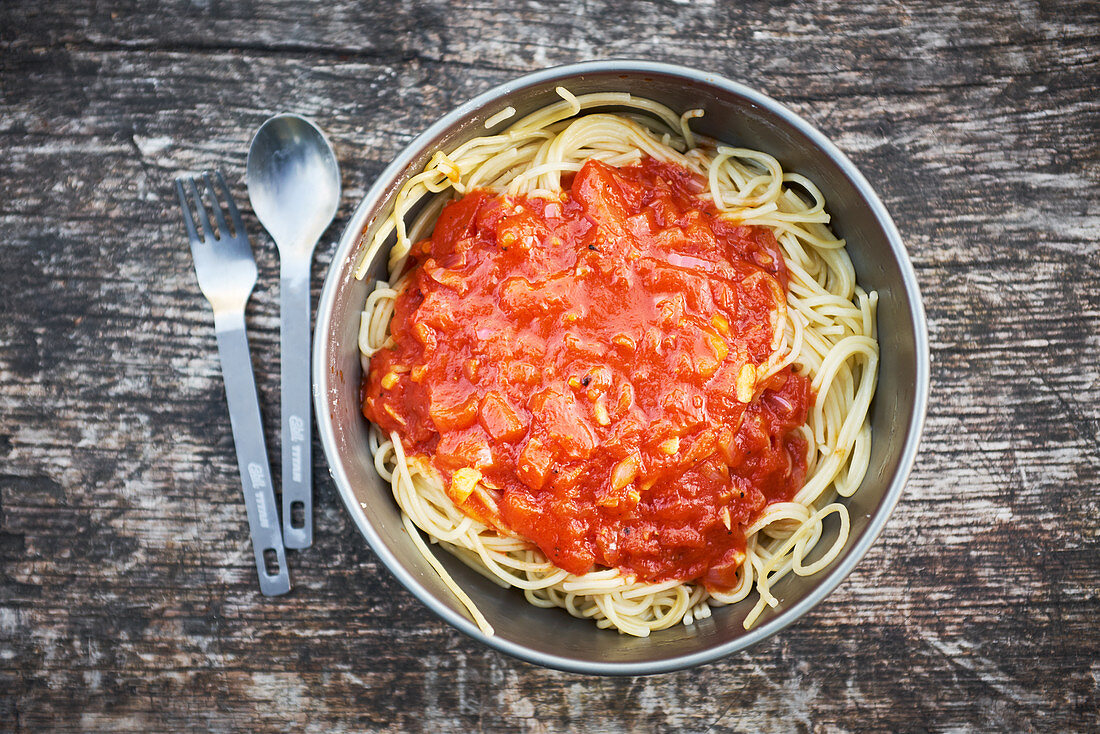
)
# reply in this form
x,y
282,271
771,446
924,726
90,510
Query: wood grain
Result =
x,y
127,593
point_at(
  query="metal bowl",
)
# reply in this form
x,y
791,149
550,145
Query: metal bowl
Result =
x,y
737,115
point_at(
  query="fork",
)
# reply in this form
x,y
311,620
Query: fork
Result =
x,y
226,272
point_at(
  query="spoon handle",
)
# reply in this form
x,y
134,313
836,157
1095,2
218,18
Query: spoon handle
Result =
x,y
297,424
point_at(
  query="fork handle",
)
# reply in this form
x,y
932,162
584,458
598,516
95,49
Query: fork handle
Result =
x,y
297,423
248,437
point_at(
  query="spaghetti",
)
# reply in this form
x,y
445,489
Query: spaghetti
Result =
x,y
818,330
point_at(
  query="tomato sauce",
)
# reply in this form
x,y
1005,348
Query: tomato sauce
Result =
x,y
594,359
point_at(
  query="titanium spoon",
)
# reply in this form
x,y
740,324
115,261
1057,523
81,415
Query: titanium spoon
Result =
x,y
294,186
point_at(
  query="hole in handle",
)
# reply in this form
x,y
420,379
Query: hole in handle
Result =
x,y
297,514
271,562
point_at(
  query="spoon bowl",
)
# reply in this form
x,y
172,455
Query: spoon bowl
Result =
x,y
293,182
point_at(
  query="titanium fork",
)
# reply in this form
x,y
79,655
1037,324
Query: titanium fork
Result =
x,y
226,272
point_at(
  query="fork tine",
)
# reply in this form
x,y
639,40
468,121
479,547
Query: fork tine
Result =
x,y
231,205
223,229
203,216
188,221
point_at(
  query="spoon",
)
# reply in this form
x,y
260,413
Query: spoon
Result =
x,y
294,185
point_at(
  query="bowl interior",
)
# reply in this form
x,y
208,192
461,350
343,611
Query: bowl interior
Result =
x,y
734,115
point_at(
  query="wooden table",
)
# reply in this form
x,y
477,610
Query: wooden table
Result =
x,y
128,599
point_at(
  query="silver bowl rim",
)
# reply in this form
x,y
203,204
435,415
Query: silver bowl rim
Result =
x,y
833,576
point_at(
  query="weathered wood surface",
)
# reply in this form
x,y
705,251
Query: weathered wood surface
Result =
x,y
128,598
